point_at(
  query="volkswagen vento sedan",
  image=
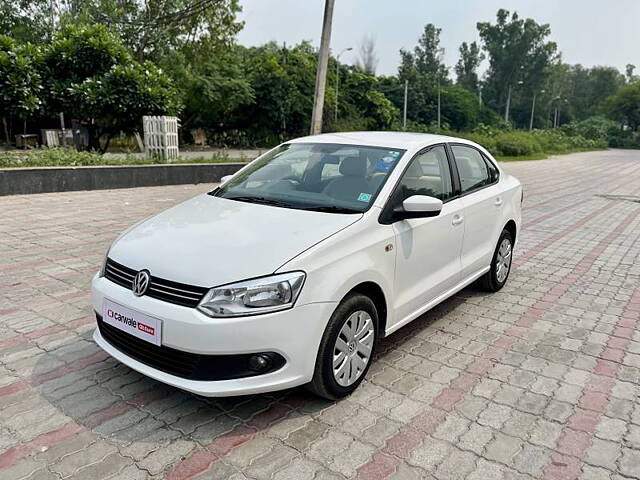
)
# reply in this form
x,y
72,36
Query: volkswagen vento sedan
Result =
x,y
291,270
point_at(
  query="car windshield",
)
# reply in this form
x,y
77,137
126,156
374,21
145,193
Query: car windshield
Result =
x,y
324,177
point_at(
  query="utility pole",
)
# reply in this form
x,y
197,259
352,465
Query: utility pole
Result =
x,y
506,110
533,109
321,73
404,114
338,78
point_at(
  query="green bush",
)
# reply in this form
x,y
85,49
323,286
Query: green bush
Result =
x,y
60,157
515,144
518,143
593,128
624,139
350,124
487,141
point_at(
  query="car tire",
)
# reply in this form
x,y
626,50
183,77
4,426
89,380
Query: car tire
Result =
x,y
333,383
496,277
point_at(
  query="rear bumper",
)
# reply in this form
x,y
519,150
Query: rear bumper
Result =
x,y
295,334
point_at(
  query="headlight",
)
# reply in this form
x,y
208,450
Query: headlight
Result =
x,y
252,297
104,264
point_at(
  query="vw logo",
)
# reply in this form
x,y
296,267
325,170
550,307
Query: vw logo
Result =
x,y
141,283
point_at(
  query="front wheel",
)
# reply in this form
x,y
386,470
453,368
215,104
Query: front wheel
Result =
x,y
497,276
346,348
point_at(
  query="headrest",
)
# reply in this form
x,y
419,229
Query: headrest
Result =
x,y
271,172
354,167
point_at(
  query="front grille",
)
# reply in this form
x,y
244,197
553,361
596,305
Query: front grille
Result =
x,y
160,288
192,366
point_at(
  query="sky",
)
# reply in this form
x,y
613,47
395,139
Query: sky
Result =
x,y
589,32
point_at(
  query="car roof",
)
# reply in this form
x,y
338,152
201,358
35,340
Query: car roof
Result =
x,y
401,140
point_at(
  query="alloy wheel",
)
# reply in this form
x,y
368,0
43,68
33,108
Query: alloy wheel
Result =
x,y
503,260
353,347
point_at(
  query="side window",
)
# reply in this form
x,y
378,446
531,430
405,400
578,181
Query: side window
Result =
x,y
472,168
493,171
427,174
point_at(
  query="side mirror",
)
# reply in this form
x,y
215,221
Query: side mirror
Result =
x,y
225,179
418,206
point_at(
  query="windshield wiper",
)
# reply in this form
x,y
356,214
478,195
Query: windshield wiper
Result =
x,y
260,200
332,209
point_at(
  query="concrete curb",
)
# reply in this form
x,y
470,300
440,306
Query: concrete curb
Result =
x,y
20,181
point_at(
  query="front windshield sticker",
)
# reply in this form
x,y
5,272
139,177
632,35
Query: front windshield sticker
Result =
x,y
385,164
364,197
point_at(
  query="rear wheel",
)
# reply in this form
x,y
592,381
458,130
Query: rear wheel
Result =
x,y
498,274
346,348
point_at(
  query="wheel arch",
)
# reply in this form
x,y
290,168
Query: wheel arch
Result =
x,y
512,229
376,294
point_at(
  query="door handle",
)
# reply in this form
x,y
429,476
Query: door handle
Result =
x,y
498,202
457,220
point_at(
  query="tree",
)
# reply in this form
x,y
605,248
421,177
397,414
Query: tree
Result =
x,y
427,54
26,20
153,28
459,108
630,68
150,29
20,84
90,76
421,106
467,67
368,60
212,90
282,80
423,69
363,99
624,106
519,54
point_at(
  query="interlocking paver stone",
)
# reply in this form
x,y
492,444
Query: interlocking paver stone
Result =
x,y
538,381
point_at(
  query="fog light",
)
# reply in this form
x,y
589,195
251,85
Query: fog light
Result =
x,y
259,363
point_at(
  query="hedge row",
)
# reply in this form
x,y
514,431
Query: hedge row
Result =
x,y
522,143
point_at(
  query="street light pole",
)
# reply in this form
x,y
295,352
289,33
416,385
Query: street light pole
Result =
x,y
506,110
321,73
439,101
404,115
338,78
440,53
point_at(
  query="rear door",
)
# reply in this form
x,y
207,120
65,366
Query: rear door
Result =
x,y
483,204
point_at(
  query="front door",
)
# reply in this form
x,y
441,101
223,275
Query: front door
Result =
x,y
428,249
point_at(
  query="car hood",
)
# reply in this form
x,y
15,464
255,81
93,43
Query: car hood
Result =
x,y
209,241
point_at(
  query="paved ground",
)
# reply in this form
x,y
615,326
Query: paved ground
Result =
x,y
541,380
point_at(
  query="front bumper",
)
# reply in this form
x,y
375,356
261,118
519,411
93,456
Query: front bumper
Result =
x,y
295,334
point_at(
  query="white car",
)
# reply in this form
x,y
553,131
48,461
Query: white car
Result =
x,y
289,272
